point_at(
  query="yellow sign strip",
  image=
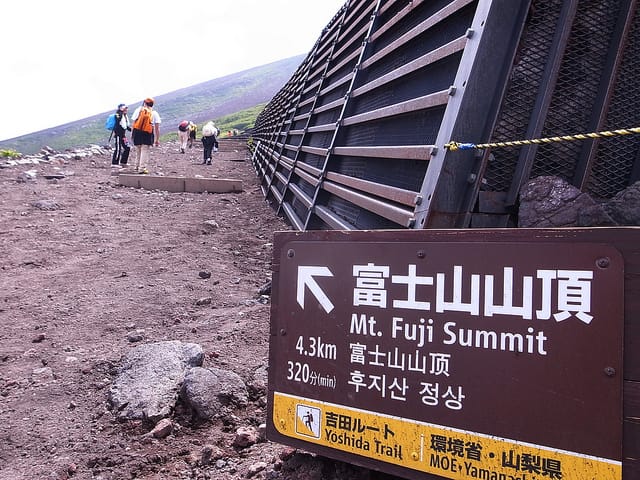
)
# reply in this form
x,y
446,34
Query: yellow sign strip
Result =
x,y
429,448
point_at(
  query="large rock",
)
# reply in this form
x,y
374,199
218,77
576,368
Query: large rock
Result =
x,y
150,378
551,202
624,208
257,385
211,392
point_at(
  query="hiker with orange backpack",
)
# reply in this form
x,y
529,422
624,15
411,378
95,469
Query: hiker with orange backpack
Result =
x,y
146,132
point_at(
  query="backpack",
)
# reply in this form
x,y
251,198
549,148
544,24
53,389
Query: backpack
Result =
x,y
143,122
209,130
110,124
183,126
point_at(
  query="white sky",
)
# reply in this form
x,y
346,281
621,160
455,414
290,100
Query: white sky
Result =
x,y
64,60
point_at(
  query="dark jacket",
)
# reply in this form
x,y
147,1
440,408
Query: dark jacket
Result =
x,y
119,131
210,141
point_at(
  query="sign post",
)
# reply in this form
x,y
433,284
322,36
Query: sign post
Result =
x,y
454,353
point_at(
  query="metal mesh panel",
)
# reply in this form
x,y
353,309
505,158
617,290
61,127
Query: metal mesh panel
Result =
x,y
330,116
405,174
298,207
278,185
424,10
613,169
321,139
304,108
310,94
311,159
301,183
289,153
443,32
360,218
299,124
335,94
576,89
433,78
294,139
316,223
526,76
408,129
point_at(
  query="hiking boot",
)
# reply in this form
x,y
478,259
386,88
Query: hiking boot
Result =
x,y
182,150
209,162
144,171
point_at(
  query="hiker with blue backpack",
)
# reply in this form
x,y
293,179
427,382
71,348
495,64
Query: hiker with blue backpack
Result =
x,y
118,123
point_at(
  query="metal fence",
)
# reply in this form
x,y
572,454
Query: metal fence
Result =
x,y
355,139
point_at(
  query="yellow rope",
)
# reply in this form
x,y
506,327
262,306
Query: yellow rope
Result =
x,y
453,146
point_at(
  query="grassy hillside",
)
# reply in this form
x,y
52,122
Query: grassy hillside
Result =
x,y
210,100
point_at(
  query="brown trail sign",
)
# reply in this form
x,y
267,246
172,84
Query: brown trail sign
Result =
x,y
458,353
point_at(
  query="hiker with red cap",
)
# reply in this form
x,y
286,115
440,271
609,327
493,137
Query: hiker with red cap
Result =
x,y
146,132
183,134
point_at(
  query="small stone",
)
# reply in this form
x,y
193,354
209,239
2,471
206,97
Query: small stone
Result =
x,y
134,337
245,437
256,468
287,453
205,456
211,224
262,431
265,290
47,205
204,301
162,429
42,374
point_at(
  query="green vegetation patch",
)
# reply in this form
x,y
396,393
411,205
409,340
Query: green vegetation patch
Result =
x,y
241,121
9,153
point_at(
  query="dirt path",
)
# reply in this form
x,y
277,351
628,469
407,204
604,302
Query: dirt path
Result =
x,y
96,262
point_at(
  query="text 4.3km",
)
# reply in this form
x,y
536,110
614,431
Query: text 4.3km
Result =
x,y
315,347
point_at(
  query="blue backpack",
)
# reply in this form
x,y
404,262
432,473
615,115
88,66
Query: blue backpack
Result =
x,y
110,124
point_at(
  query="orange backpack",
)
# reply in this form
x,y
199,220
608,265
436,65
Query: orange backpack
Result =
x,y
143,122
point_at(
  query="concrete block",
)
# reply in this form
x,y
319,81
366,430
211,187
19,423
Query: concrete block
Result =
x,y
181,184
212,185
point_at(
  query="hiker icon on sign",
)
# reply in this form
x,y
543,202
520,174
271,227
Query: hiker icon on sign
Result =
x,y
308,421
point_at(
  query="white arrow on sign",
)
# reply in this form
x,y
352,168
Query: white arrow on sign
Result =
x,y
305,279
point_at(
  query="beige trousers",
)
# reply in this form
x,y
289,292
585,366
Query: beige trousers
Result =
x,y
183,136
142,156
